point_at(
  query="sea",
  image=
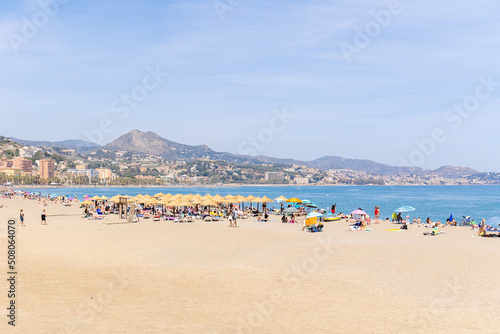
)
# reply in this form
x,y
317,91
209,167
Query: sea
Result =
x,y
436,202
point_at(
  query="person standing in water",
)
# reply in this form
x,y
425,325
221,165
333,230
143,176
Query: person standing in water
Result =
x,y
334,207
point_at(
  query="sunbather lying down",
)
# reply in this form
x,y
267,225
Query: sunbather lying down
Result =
x,y
435,231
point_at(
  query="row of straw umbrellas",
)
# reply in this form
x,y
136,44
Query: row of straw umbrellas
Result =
x,y
188,200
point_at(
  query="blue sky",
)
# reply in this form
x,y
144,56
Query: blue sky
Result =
x,y
229,65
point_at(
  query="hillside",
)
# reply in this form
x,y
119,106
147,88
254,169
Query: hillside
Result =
x,y
80,146
150,143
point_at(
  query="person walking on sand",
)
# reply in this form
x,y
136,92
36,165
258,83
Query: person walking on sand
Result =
x,y
235,216
230,217
21,218
44,220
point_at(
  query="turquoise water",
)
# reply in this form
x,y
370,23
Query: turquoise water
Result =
x,y
437,202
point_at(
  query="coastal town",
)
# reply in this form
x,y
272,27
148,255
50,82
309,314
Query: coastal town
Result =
x,y
30,165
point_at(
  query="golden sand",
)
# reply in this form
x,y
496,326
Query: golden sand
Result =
x,y
81,276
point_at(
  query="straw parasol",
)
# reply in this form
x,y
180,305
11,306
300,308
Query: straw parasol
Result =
x,y
266,199
95,198
159,195
209,202
87,203
115,199
281,199
218,198
104,197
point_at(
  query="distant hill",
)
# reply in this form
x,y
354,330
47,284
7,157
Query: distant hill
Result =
x,y
335,162
150,143
80,146
453,172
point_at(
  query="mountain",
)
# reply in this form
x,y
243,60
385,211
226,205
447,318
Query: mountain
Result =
x,y
335,162
80,146
453,172
150,143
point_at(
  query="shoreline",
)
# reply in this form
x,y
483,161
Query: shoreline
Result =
x,y
232,185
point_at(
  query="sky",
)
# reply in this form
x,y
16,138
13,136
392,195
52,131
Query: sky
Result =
x,y
413,83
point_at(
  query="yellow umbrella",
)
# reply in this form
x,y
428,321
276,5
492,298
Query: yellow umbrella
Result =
x,y
294,200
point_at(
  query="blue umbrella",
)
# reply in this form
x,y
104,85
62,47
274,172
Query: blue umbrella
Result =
x,y
315,214
451,217
493,221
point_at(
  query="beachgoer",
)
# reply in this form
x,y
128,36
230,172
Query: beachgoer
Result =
x,y
284,219
482,229
235,216
377,213
44,220
399,219
333,209
266,217
230,217
21,218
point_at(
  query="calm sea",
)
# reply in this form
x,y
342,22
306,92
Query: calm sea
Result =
x,y
437,202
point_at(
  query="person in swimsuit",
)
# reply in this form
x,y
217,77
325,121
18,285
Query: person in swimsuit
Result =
x,y
44,221
21,218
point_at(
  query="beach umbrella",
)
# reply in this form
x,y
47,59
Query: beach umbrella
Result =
x,y
218,198
87,203
115,199
159,195
266,199
315,214
95,198
358,212
311,205
281,199
405,209
104,197
294,200
493,221
291,210
209,202
306,201
451,217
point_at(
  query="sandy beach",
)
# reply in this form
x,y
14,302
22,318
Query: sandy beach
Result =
x,y
81,276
